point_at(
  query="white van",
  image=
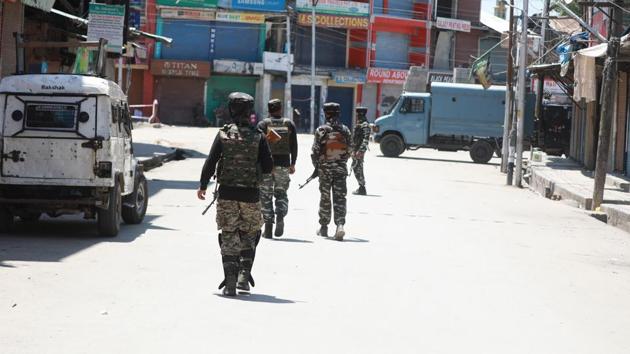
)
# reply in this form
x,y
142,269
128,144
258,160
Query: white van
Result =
x,y
66,148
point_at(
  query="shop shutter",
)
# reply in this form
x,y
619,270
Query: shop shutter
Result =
x,y
218,88
345,97
236,41
330,47
181,100
191,40
392,50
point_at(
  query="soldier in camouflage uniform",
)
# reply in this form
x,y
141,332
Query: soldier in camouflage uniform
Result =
x,y
331,150
242,153
282,139
360,141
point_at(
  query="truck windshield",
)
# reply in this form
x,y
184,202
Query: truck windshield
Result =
x,y
51,116
393,106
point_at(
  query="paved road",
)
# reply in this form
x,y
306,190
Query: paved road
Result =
x,y
440,258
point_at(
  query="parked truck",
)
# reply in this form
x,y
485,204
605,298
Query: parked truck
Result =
x,y
451,117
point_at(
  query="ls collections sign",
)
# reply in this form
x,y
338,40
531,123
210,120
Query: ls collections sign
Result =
x,y
335,7
351,22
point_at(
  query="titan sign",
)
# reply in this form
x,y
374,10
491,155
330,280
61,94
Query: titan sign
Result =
x,y
351,22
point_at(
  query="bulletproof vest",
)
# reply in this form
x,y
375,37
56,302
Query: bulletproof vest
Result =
x,y
281,127
238,165
335,144
358,135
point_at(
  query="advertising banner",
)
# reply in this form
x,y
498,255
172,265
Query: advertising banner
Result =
x,y
237,67
276,61
386,76
351,22
186,14
349,77
196,69
107,22
240,17
453,24
254,5
335,7
204,4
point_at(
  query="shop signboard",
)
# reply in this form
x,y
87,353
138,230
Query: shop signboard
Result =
x,y
241,17
349,77
253,5
386,76
107,22
202,4
237,67
188,14
276,61
350,22
452,24
335,7
181,68
440,77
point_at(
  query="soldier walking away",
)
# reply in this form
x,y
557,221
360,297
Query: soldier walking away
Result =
x,y
360,142
282,138
331,150
242,153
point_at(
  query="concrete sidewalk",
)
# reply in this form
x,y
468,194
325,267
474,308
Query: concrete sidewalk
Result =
x,y
564,179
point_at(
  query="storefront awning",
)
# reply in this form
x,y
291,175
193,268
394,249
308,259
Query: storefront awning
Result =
x,y
598,51
132,30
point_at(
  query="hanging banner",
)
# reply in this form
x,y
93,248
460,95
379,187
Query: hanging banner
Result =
x,y
186,14
452,24
241,17
351,22
335,7
237,67
387,76
254,5
204,4
107,22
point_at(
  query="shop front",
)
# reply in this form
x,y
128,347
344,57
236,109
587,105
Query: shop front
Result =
x,y
383,88
179,88
218,88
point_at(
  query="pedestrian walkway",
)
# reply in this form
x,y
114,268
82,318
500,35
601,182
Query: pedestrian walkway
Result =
x,y
564,179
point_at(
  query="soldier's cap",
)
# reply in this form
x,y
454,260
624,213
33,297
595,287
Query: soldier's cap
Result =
x,y
331,107
274,105
361,110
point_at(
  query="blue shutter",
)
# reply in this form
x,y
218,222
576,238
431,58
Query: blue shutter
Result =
x,y
191,40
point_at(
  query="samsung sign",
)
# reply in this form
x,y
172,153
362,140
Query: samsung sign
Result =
x,y
254,5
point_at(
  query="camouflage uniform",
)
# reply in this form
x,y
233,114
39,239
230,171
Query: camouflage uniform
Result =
x,y
360,142
275,185
331,150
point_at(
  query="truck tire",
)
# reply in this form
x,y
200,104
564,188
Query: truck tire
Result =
x,y
6,221
109,219
481,151
392,145
135,205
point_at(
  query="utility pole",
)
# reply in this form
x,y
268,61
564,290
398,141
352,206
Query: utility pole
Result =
x,y
509,95
520,112
313,20
541,53
288,107
608,102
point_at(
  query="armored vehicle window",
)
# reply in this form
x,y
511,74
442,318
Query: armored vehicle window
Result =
x,y
51,116
412,105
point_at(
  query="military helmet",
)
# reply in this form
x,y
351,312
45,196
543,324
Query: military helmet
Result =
x,y
331,111
240,106
361,110
274,105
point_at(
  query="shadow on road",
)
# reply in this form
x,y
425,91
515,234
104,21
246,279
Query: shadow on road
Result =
x,y
156,185
349,239
442,160
51,240
291,240
248,297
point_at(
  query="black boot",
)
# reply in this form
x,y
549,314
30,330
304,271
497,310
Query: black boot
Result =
x,y
245,273
230,270
268,230
360,191
279,227
322,231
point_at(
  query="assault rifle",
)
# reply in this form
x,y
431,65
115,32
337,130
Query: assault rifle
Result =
x,y
312,177
215,195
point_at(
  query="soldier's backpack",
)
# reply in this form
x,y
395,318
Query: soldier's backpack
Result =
x,y
281,128
239,162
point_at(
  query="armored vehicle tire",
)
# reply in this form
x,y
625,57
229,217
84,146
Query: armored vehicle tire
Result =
x,y
481,151
109,219
392,145
135,205
6,221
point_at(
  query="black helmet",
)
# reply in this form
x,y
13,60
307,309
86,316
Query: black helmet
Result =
x,y
361,111
331,111
274,106
240,106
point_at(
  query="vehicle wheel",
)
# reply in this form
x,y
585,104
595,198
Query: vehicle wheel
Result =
x,y
109,219
6,221
135,205
392,145
30,217
481,151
